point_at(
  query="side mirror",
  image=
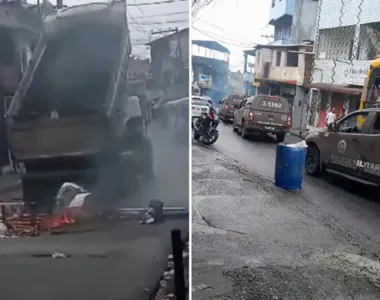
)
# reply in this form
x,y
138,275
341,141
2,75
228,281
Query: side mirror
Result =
x,y
220,102
332,127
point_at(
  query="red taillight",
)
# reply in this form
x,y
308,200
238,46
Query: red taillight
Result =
x,y
250,116
211,116
225,106
289,121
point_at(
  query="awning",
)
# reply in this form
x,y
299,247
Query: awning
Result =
x,y
337,88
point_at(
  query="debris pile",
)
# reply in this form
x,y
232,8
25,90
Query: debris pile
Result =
x,y
17,220
166,288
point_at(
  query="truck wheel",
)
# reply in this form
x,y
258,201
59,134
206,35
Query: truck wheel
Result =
x,y
312,161
280,137
244,134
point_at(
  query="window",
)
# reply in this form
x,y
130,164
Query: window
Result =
x,y
351,124
292,59
376,125
278,58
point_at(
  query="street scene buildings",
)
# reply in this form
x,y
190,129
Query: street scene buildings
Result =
x,y
316,237
92,94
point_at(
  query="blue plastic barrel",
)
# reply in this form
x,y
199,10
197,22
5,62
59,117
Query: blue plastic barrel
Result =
x,y
289,167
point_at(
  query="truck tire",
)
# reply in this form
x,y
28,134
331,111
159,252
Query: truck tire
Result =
x,y
280,137
244,134
312,161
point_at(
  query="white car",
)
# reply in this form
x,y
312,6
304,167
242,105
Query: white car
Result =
x,y
200,105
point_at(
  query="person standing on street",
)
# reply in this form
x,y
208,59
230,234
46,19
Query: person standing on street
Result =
x,y
330,117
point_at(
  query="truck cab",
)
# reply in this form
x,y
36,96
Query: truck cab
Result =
x,y
347,148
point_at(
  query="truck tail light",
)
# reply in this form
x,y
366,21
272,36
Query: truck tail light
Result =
x,y
288,121
250,116
225,106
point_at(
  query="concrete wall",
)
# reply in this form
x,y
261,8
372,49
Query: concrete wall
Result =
x,y
304,20
281,72
331,12
281,8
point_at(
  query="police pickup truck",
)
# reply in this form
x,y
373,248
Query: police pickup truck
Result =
x,y
347,148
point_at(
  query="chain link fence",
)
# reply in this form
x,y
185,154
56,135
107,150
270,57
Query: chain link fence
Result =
x,y
347,39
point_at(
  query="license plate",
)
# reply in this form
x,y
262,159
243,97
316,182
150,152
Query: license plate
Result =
x,y
269,127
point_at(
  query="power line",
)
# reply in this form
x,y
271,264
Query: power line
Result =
x,y
156,2
225,39
162,15
141,11
162,22
222,41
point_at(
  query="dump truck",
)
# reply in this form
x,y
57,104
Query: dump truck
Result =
x,y
70,119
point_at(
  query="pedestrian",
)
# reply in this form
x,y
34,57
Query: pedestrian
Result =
x,y
330,117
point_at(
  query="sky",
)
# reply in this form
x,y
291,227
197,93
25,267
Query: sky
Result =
x,y
145,18
236,24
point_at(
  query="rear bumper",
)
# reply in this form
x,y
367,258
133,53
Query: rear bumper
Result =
x,y
228,116
261,129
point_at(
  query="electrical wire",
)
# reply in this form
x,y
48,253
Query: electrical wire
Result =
x,y
161,22
225,40
162,15
156,2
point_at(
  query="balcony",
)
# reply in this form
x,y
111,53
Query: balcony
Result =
x,y
284,63
281,10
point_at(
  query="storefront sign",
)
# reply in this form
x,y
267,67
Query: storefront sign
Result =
x,y
357,73
205,81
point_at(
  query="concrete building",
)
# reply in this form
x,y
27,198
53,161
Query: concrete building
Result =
x,y
293,20
210,65
170,63
283,67
284,70
349,38
20,27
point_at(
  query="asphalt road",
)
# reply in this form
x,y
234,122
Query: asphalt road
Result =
x,y
252,240
122,261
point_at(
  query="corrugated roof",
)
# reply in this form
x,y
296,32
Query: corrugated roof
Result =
x,y
211,45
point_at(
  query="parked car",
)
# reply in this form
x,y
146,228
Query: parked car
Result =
x,y
347,148
263,114
228,106
199,105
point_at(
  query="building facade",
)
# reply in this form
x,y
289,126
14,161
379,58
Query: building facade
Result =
x,y
284,70
348,39
210,66
170,64
293,20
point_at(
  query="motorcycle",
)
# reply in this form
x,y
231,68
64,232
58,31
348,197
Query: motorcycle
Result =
x,y
205,127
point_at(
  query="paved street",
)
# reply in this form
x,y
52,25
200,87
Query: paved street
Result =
x,y
252,240
123,261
